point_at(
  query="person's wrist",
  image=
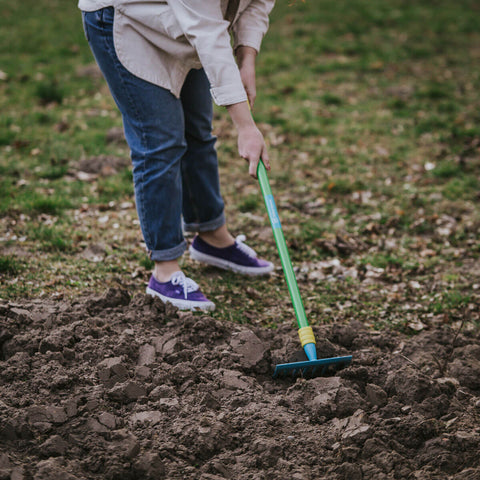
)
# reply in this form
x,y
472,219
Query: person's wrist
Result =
x,y
241,116
245,55
248,130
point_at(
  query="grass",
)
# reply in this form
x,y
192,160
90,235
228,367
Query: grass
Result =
x,y
51,239
9,266
371,113
450,303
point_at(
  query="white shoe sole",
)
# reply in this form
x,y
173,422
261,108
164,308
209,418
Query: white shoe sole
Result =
x,y
183,304
226,265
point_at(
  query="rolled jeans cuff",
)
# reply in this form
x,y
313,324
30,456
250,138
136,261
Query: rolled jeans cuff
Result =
x,y
205,226
169,254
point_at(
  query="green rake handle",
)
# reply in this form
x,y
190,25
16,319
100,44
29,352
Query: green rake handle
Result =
x,y
305,331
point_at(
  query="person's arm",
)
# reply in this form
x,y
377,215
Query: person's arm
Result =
x,y
204,27
246,57
252,24
248,31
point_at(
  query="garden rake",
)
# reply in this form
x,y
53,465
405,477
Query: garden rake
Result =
x,y
312,366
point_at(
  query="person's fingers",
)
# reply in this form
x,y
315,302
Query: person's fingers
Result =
x,y
251,147
265,158
252,168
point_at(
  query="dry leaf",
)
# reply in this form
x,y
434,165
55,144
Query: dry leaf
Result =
x,y
416,325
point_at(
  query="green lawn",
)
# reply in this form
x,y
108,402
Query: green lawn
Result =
x,y
371,110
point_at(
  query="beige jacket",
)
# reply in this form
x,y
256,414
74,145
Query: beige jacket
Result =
x,y
160,41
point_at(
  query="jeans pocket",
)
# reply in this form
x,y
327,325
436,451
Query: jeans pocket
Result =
x,y
99,20
105,17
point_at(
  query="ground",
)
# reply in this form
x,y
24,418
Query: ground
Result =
x,y
114,387
370,110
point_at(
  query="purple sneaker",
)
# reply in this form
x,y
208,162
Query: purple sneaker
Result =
x,y
239,257
180,291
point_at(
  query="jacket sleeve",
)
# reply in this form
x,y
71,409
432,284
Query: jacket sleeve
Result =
x,y
252,24
203,25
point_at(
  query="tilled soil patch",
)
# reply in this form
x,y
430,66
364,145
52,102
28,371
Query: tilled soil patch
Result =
x,y
125,388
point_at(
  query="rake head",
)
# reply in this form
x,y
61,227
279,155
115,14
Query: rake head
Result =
x,y
312,368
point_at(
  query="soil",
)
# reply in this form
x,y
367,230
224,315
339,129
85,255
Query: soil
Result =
x,y
115,387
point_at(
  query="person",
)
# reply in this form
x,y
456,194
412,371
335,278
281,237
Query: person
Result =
x,y
164,61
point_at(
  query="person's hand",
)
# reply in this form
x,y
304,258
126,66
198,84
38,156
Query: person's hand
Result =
x,y
246,63
251,147
251,144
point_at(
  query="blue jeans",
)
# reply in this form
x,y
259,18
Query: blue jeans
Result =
x,y
175,167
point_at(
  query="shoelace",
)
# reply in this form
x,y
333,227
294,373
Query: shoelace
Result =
x,y
245,248
189,285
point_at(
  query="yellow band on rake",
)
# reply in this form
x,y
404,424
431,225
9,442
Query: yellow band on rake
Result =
x,y
306,335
